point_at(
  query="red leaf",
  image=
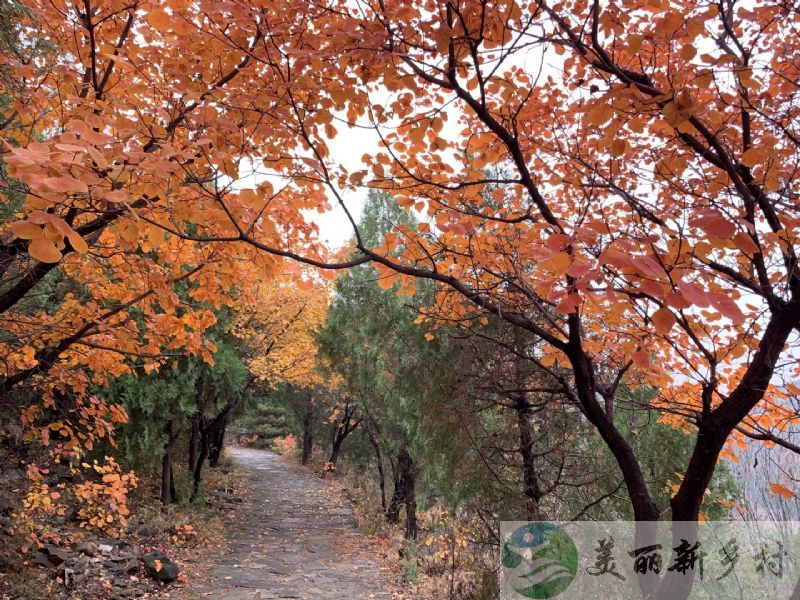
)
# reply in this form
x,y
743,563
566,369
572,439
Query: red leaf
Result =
x,y
694,293
641,359
727,307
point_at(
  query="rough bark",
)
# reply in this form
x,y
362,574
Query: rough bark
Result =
x,y
408,478
346,425
198,469
393,511
217,441
531,486
168,494
194,442
405,478
308,431
379,460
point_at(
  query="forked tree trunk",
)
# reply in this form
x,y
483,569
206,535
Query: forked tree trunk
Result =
x,y
344,428
338,440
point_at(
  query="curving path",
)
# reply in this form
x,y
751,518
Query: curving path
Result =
x,y
290,539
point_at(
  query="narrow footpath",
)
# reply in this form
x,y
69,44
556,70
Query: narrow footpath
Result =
x,y
290,539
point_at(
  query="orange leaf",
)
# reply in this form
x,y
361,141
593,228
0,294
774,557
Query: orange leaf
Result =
x,y
557,264
65,185
116,196
78,243
129,232
26,230
44,250
754,156
663,320
782,491
688,52
634,43
619,147
745,243
386,282
716,225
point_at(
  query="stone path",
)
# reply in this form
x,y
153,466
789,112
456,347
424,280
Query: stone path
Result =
x,y
290,539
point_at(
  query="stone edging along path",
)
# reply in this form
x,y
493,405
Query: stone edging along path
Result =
x,y
290,538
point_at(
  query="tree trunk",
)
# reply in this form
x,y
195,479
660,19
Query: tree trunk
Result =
x,y
345,427
393,512
194,443
405,477
167,483
337,448
198,469
308,431
381,475
217,439
531,487
408,477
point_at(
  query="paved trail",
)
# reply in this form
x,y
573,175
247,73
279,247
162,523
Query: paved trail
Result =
x,y
290,539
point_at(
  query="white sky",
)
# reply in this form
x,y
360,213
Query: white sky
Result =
x,y
347,148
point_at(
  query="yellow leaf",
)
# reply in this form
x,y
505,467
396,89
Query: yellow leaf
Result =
x,y
44,250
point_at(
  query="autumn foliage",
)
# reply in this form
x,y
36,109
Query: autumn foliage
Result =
x,y
591,172
277,329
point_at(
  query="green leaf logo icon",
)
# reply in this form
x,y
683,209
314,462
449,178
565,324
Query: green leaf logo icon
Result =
x,y
540,560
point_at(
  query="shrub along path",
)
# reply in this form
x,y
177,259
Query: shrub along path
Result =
x,y
290,539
